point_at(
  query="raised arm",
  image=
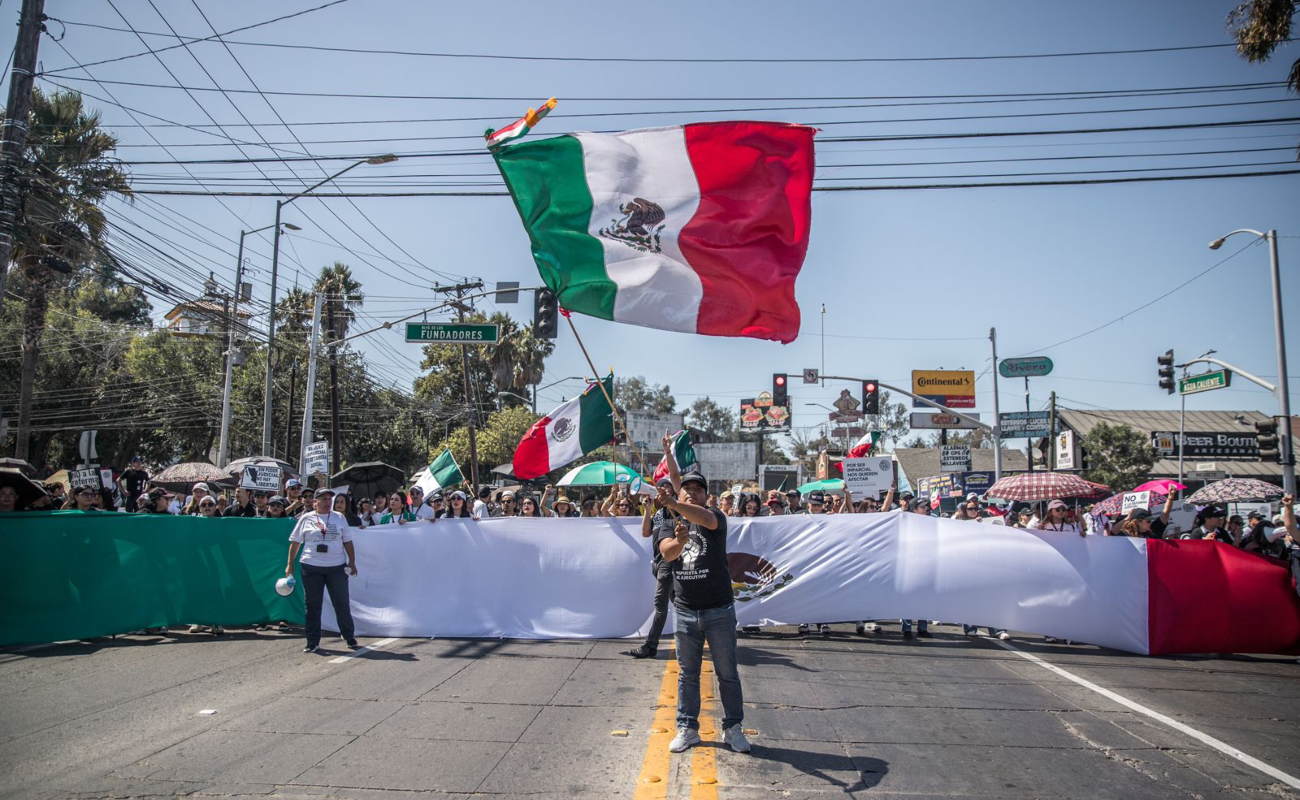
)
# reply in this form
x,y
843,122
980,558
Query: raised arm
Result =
x,y
674,472
541,504
889,499
1169,506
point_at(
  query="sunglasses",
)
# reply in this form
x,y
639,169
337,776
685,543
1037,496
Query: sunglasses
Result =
x,y
87,493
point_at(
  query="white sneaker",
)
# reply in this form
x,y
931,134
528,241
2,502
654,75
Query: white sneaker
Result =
x,y
685,738
735,739
1004,636
871,627
1051,639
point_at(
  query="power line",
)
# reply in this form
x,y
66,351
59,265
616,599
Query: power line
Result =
x,y
1000,184
637,60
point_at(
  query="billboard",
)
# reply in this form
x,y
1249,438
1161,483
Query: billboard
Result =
x,y
757,418
728,461
947,387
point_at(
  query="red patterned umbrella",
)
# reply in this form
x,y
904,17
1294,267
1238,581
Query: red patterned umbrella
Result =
x,y
1029,487
1234,490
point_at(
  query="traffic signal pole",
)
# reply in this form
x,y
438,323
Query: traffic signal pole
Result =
x,y
973,420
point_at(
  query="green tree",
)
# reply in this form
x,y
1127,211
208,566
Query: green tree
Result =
x,y
66,174
894,420
711,418
1259,26
1118,456
637,394
806,448
496,440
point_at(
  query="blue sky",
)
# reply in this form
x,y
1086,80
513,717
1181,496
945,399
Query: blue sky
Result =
x,y
909,279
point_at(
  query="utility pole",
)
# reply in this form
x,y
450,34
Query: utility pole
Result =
x,y
223,450
267,406
334,388
1051,435
288,427
13,139
997,418
459,290
1029,448
312,351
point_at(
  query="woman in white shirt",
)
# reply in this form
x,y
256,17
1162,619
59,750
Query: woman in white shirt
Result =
x,y
325,540
1055,519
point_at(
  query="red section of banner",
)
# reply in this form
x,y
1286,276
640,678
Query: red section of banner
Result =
x,y
1209,597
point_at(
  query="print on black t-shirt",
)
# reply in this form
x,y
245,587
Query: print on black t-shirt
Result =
x,y
700,576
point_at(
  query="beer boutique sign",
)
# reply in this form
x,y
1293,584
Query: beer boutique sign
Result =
x,y
1206,444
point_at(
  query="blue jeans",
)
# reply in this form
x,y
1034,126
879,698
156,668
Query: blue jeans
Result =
x,y
315,580
922,626
717,626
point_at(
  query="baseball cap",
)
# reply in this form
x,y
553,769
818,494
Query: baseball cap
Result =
x,y
1056,504
816,497
1140,513
293,483
136,459
974,496
205,487
1212,511
791,492
507,496
276,500
323,490
693,473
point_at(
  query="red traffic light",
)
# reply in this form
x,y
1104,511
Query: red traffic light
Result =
x,y
869,386
778,380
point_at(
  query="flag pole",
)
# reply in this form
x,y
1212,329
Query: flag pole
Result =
x,y
614,409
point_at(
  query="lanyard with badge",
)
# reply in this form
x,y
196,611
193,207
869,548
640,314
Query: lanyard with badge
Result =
x,y
321,547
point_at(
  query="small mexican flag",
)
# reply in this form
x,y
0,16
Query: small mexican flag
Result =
x,y
567,433
443,472
683,453
519,127
700,228
864,447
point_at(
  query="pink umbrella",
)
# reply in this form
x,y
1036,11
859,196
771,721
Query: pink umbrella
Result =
x,y
1163,486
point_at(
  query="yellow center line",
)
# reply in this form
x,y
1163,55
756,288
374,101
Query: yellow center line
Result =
x,y
652,784
704,767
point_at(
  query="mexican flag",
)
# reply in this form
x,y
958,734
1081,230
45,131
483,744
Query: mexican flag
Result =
x,y
520,127
567,433
864,447
443,472
699,228
683,454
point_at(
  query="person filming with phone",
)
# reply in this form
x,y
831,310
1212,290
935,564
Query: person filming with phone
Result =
x,y
323,537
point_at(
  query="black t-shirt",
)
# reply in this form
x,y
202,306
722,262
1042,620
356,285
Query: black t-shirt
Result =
x,y
661,528
700,577
135,480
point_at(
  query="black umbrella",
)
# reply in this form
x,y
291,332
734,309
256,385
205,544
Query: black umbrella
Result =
x,y
28,491
370,478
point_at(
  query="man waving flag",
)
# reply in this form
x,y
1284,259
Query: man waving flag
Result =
x,y
700,228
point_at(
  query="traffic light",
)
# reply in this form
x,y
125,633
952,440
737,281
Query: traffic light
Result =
x,y
870,397
1266,439
779,395
546,316
1166,371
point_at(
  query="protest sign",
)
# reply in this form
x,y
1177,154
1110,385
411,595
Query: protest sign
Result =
x,y
954,458
1134,500
85,477
868,476
260,479
106,478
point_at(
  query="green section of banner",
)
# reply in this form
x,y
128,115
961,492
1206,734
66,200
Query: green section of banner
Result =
x,y
77,575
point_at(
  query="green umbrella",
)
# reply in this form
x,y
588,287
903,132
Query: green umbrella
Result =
x,y
828,485
597,473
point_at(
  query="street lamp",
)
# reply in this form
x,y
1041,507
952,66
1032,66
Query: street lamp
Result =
x,y
1283,392
275,265
223,449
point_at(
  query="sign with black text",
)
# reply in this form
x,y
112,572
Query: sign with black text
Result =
x,y
955,458
1207,444
868,476
85,477
260,479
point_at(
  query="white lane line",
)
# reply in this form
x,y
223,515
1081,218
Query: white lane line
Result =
x,y
1221,746
362,651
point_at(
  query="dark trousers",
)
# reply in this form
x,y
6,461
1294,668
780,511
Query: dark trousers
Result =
x,y
663,596
315,580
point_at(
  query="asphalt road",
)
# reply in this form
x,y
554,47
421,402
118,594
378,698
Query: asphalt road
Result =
x,y
865,717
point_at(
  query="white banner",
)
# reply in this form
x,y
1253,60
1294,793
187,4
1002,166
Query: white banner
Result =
x,y
577,578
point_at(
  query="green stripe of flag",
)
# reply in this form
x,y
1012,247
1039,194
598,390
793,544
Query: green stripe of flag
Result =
x,y
548,182
596,422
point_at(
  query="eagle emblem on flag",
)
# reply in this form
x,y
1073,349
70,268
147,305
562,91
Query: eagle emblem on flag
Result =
x,y
563,429
639,227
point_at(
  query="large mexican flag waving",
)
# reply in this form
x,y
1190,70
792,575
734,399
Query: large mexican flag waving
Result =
x,y
699,228
567,433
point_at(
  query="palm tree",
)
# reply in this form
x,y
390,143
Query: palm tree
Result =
x,y
67,173
342,299
518,359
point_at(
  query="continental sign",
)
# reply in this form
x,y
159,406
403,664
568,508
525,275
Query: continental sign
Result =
x,y
950,388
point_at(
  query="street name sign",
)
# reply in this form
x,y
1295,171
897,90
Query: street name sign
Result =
x,y
1219,379
452,332
1035,367
924,421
